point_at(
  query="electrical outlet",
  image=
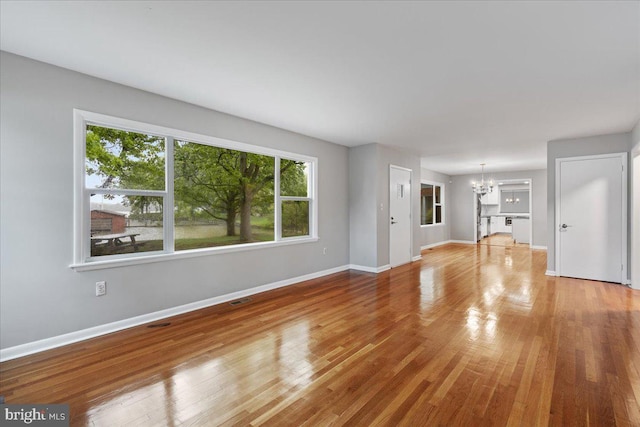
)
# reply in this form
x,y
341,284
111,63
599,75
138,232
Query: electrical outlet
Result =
x,y
324,251
101,288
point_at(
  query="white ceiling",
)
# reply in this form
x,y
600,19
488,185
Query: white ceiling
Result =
x,y
458,83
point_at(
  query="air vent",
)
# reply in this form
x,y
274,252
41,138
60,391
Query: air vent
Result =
x,y
159,325
240,301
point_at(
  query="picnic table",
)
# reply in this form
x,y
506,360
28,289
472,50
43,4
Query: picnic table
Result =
x,y
115,242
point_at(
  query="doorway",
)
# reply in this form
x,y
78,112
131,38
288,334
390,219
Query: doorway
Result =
x,y
400,215
591,216
504,217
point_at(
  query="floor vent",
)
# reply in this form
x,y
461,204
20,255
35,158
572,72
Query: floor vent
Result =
x,y
159,325
240,301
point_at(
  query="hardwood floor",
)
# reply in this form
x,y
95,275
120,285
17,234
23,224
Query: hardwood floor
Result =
x,y
502,239
470,335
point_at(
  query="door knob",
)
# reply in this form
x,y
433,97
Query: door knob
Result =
x,y
563,227
393,222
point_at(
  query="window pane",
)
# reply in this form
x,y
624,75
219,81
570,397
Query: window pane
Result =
x,y
222,196
438,214
121,159
437,189
294,178
125,224
295,218
426,204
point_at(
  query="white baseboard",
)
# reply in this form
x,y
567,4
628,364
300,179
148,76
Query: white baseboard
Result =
x,y
369,269
433,245
542,248
84,334
416,258
465,242
550,273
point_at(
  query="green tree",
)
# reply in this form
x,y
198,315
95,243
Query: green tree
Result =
x,y
202,183
124,159
127,160
224,183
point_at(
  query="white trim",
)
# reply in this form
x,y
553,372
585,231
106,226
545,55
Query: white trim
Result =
x,y
542,248
84,334
416,258
160,256
369,269
550,273
626,282
433,245
625,178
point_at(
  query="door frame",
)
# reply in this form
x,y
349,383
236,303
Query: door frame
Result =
x,y
625,179
635,219
507,181
392,166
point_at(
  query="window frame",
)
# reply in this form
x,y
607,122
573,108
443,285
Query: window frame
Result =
x,y
441,204
82,221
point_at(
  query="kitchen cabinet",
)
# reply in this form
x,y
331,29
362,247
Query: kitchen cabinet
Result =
x,y
498,225
521,230
492,198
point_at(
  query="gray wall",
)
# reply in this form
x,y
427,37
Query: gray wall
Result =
x,y
363,205
41,296
430,235
462,215
603,144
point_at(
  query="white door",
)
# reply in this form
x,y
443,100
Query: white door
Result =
x,y
591,218
400,213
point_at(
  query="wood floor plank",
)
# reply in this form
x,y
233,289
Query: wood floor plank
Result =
x,y
469,335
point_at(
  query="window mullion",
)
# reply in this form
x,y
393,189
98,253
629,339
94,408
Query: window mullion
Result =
x,y
123,192
433,217
168,204
277,220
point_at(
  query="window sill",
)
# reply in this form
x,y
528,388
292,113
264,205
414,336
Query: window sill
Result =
x,y
432,225
161,257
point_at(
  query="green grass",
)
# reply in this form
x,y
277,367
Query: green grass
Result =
x,y
259,235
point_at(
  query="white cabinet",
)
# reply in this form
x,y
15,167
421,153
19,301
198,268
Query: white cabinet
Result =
x,y
492,198
484,227
521,230
498,225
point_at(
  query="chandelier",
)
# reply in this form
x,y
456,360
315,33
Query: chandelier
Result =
x,y
512,199
482,187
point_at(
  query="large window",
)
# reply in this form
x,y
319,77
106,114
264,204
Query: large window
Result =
x,y
431,203
146,190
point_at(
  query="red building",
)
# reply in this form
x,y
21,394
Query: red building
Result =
x,y
107,222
